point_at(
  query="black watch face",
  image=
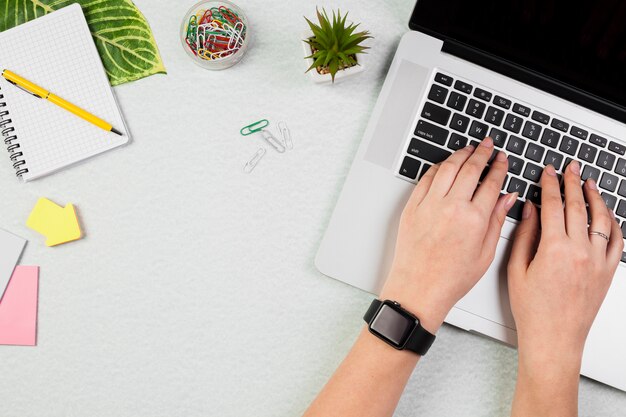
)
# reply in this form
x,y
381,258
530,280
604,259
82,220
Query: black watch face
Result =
x,y
392,325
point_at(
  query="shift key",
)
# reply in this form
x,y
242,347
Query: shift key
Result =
x,y
427,151
431,132
436,114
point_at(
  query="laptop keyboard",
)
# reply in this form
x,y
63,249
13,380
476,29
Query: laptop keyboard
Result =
x,y
457,113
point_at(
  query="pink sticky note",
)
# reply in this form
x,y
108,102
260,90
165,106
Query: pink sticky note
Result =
x,y
18,308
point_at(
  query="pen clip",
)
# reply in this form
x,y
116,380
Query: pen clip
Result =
x,y
23,89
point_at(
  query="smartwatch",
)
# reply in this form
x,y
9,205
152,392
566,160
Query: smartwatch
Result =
x,y
388,321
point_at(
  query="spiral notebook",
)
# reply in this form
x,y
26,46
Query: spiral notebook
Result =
x,y
57,52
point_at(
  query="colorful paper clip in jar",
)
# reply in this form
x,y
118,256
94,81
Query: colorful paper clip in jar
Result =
x,y
215,34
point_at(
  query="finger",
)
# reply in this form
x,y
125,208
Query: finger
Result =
x,y
448,171
467,180
575,207
526,236
552,217
600,217
489,190
616,244
422,187
498,216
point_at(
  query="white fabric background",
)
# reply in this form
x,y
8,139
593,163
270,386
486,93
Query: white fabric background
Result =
x,y
194,291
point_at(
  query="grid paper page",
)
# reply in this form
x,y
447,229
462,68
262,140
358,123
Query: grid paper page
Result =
x,y
58,53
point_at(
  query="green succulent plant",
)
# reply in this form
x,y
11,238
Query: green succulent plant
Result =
x,y
334,44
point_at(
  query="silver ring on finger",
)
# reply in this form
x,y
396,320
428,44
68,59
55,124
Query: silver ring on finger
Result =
x,y
602,235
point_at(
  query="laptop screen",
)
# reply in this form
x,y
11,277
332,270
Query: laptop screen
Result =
x,y
581,43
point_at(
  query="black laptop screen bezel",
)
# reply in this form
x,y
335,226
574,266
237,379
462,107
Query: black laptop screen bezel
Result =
x,y
521,73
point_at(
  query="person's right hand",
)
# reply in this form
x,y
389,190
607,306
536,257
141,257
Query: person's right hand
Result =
x,y
559,276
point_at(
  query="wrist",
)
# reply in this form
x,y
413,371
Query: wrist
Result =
x,y
547,358
427,306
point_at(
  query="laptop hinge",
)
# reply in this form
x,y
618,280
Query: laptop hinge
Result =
x,y
535,79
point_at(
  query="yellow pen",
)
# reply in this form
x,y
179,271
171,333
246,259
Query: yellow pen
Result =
x,y
37,91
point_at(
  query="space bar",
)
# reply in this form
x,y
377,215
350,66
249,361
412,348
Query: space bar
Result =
x,y
427,151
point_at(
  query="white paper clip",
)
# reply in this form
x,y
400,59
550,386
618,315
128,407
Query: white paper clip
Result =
x,y
271,139
254,161
286,134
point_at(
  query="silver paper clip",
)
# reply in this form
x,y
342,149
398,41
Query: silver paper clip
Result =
x,y
284,131
269,138
254,161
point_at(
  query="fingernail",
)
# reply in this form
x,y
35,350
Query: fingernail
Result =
x,y
528,208
550,171
501,157
592,184
487,142
574,166
510,201
470,148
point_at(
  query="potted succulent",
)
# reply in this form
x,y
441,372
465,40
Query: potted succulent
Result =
x,y
332,47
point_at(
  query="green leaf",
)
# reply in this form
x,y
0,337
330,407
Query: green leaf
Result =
x,y
121,33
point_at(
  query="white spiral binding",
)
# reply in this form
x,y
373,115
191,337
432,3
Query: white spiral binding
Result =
x,y
10,139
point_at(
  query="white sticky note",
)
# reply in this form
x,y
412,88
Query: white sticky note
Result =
x,y
11,248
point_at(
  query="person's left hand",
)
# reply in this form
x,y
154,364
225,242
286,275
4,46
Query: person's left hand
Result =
x,y
448,233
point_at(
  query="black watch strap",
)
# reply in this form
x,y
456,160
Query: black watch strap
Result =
x,y
420,339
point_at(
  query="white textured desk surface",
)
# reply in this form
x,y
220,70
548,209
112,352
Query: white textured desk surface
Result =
x,y
194,292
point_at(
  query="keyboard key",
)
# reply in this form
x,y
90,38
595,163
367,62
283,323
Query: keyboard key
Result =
x,y
556,159
550,138
598,140
478,130
608,182
609,199
622,188
532,173
459,122
457,142
535,152
516,145
587,152
620,169
621,209
436,114
516,211
579,132
498,136
494,116
531,130
559,125
476,108
606,160
427,151
438,94
623,253
521,109
590,172
431,132
569,145
443,79
617,148
534,194
464,87
457,101
410,167
624,236
513,123
424,170
482,94
540,117
502,102
515,165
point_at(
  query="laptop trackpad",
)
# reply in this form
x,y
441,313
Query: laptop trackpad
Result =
x,y
396,117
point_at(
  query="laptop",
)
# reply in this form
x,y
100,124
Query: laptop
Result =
x,y
547,81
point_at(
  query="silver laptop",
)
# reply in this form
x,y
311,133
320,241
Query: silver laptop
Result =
x,y
546,80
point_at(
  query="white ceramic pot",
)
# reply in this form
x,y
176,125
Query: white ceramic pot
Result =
x,y
326,78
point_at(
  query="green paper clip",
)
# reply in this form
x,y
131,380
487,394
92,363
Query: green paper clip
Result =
x,y
254,127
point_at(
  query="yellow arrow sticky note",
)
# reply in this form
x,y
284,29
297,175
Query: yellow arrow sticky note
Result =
x,y
58,224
